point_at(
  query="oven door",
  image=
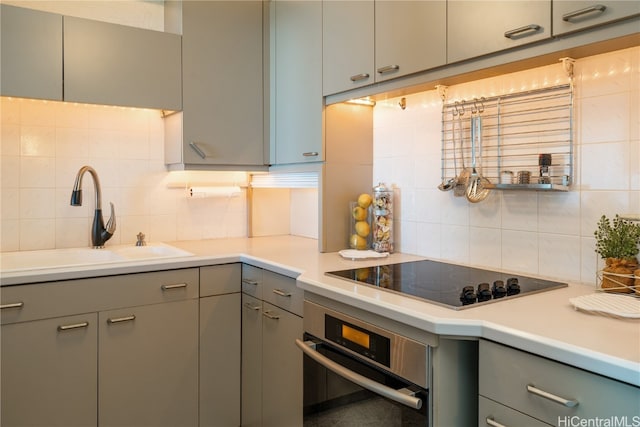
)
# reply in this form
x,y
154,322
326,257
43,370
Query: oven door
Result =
x,y
342,389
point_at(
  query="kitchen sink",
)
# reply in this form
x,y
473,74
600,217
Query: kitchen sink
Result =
x,y
77,257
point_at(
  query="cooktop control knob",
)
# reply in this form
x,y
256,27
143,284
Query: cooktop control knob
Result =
x,y
513,287
498,290
468,295
484,292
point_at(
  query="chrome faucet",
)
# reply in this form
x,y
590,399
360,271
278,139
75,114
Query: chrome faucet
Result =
x,y
99,234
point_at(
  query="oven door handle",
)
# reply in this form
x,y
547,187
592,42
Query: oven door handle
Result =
x,y
396,395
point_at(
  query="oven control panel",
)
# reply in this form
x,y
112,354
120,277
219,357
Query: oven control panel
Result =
x,y
364,342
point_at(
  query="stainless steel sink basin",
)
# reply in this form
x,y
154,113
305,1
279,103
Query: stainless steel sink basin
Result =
x,y
76,257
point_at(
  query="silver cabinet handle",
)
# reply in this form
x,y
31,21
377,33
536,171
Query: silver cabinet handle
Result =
x,y
12,305
250,282
381,389
358,77
532,28
388,69
268,314
121,319
311,154
567,17
562,401
250,306
73,326
282,293
493,423
176,286
198,150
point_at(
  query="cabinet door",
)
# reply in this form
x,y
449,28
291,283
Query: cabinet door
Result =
x,y
148,365
573,15
347,45
281,368
49,372
31,53
297,58
117,65
251,361
220,360
410,36
222,83
476,28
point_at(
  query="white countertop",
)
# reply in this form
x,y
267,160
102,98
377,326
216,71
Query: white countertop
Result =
x,y
545,324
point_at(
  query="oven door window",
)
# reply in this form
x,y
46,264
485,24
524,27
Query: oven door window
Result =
x,y
330,399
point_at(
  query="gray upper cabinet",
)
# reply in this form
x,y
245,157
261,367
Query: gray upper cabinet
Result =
x,y
347,45
296,105
117,65
410,36
569,16
222,120
476,28
31,53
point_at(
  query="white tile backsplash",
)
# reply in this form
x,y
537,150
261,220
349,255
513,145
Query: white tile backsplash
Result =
x,y
539,233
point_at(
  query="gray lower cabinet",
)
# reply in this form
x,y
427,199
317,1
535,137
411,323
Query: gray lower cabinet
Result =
x,y
220,336
547,391
49,372
271,363
493,414
31,53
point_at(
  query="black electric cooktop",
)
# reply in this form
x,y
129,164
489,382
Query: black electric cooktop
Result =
x,y
449,285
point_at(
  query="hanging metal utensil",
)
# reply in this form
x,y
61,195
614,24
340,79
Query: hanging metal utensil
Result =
x,y
450,184
462,180
476,188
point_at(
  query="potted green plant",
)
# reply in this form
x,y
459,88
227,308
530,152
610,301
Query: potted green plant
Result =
x,y
617,243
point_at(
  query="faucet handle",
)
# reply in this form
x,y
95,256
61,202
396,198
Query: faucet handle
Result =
x,y
140,241
111,224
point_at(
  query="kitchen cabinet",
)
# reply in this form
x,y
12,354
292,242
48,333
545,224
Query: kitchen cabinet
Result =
x,y
296,105
130,342
49,372
114,64
410,36
220,336
476,28
271,363
347,45
221,123
31,53
546,390
572,15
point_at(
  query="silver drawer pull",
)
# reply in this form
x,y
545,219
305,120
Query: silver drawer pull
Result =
x,y
491,422
121,319
562,401
388,69
250,306
532,28
282,293
270,315
358,77
176,286
12,305
73,326
311,154
198,150
250,282
576,13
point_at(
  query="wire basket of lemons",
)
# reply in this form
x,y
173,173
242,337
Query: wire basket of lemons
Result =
x,y
360,223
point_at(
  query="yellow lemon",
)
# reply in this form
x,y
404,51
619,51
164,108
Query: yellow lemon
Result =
x,y
364,200
357,242
362,228
362,274
359,214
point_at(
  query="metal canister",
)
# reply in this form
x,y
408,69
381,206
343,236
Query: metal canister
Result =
x,y
382,219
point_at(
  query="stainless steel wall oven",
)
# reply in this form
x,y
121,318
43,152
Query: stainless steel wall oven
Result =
x,y
356,373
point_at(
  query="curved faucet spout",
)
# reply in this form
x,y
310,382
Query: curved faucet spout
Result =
x,y
99,234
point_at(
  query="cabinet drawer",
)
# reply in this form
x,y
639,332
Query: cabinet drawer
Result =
x,y
220,279
44,300
493,414
517,380
282,291
252,281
